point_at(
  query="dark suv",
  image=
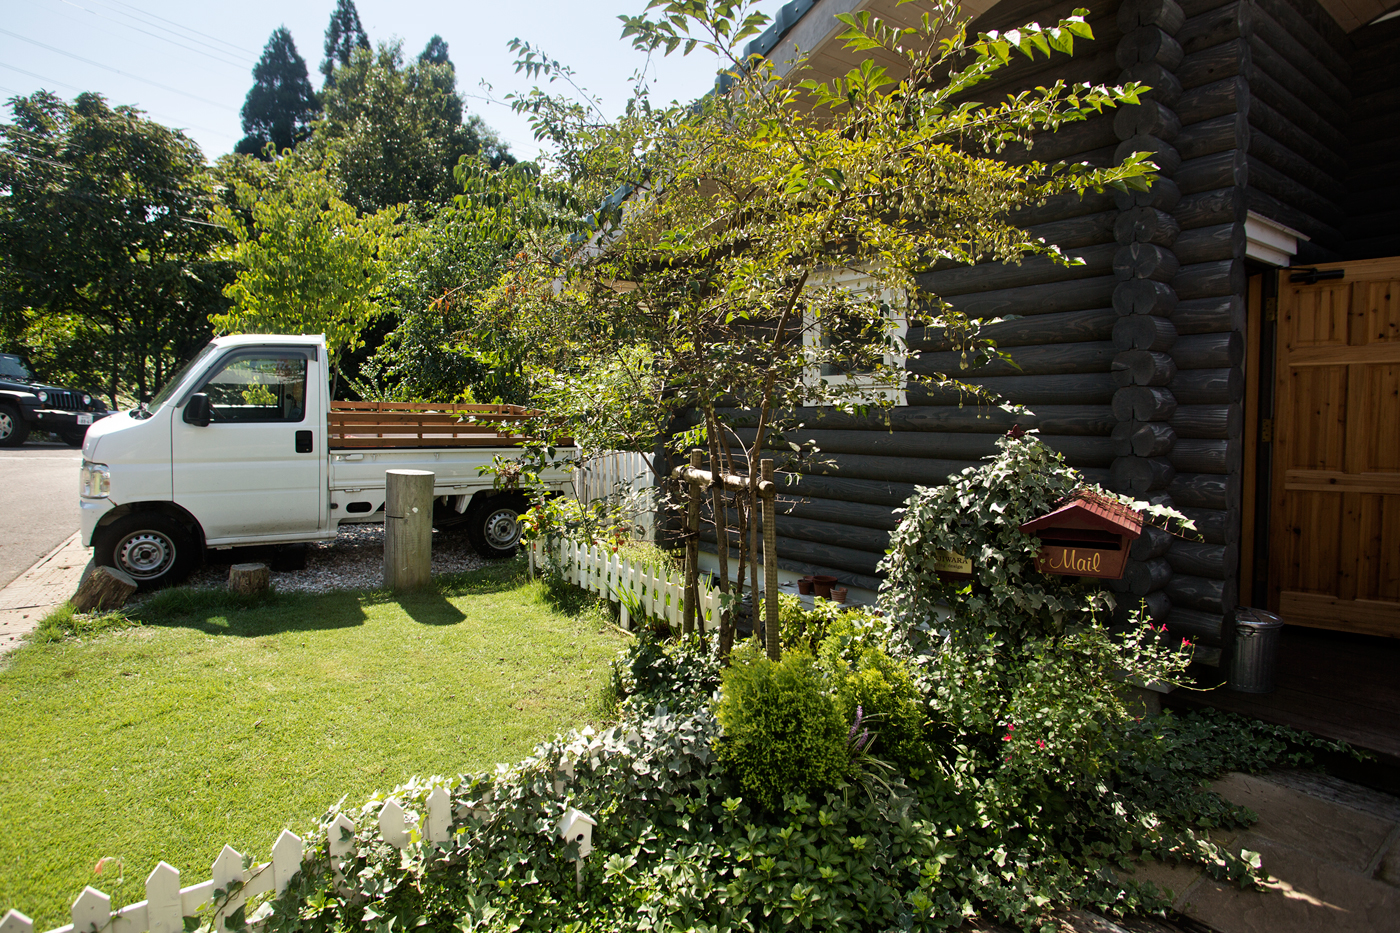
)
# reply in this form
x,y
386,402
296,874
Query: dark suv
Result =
x,y
27,404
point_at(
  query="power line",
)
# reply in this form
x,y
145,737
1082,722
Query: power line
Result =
x,y
209,55
38,77
237,48
88,61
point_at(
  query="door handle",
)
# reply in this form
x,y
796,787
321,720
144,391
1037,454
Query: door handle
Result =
x,y
304,442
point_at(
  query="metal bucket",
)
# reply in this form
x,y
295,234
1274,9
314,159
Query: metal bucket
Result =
x,y
1253,659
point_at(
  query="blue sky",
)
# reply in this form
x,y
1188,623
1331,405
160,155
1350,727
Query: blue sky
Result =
x,y
189,64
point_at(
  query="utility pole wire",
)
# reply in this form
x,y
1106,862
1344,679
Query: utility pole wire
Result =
x,y
211,55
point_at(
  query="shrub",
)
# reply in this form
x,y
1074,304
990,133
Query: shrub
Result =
x,y
891,709
784,732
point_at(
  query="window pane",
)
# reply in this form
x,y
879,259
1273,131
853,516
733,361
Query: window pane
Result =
x,y
265,387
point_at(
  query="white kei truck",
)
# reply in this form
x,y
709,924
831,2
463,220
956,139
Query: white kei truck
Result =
x,y
244,447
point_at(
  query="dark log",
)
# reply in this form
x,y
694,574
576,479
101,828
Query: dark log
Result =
x,y
1216,99
1299,85
1142,438
1211,244
1143,332
1165,14
1036,270
1320,124
845,513
1215,526
1209,351
932,444
1072,295
1215,561
1278,127
1148,45
1153,542
1147,576
1203,594
1163,85
1153,607
1161,153
1142,368
841,534
1092,420
1221,170
1216,27
1218,134
1214,64
869,492
1323,189
102,588
1210,422
1201,627
1299,57
1195,455
1077,389
1205,491
1162,194
1081,451
1145,261
1210,208
1088,230
1063,207
1143,403
1324,233
862,562
1025,361
1144,296
1308,33
1138,476
1209,315
1146,225
1071,143
1060,327
924,472
1208,386
1194,8
1209,280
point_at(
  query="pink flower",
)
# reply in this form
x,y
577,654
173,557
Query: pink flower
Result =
x,y
1186,643
1006,738
1040,742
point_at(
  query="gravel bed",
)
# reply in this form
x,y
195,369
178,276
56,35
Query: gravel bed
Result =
x,y
354,560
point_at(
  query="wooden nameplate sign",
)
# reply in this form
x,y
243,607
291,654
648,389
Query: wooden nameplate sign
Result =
x,y
951,565
1088,536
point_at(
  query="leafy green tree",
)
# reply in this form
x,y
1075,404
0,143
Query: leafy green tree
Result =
x,y
307,261
107,269
281,104
435,53
396,131
344,35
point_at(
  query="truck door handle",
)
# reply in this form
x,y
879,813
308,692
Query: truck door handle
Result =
x,y
303,442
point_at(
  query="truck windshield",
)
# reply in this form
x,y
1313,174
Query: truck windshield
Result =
x,y
169,388
12,367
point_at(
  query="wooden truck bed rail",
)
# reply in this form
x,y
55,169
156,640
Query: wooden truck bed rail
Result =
x,y
361,425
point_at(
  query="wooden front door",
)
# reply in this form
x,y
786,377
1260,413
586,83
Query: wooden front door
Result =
x,y
1334,541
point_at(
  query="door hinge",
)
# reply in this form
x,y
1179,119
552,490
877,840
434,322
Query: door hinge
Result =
x,y
1271,309
1266,430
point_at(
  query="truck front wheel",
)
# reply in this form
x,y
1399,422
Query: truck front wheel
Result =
x,y
493,525
13,429
154,549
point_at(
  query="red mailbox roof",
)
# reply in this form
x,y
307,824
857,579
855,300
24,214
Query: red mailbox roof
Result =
x,y
1086,509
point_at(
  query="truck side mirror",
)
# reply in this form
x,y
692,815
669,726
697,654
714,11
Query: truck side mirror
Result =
x,y
197,411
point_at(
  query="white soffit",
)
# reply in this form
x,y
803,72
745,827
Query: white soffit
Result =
x,y
1270,241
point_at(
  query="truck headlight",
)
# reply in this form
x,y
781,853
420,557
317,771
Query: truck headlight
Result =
x,y
96,479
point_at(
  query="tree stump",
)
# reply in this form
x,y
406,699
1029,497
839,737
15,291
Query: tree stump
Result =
x,y
248,578
103,588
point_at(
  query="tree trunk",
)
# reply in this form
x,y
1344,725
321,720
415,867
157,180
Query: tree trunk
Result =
x,y
103,588
248,578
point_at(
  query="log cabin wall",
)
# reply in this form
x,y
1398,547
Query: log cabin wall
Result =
x,y
1372,206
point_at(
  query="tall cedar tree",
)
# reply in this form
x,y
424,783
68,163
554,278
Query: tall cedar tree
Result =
x,y
344,35
281,104
435,53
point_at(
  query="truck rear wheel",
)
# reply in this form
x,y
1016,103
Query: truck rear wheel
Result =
x,y
14,430
154,549
493,525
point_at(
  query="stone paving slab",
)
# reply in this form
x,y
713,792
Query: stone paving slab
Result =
x,y
31,595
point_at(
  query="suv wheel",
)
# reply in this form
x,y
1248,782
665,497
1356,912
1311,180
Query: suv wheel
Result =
x,y
13,429
153,549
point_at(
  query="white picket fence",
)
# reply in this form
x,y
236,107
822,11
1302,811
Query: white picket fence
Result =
x,y
167,904
658,592
619,474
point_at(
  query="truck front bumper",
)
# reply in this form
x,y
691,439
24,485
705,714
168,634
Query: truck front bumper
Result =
x,y
90,511
57,419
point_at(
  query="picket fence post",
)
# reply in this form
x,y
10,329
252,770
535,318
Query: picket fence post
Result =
x,y
164,912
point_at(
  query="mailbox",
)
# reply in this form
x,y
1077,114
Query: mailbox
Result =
x,y
1088,536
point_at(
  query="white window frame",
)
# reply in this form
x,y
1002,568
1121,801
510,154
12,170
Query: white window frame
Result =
x,y
812,336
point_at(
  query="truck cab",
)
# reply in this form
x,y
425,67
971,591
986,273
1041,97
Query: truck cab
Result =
x,y
237,450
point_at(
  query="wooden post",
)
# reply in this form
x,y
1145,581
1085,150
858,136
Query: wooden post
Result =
x,y
408,528
770,563
692,550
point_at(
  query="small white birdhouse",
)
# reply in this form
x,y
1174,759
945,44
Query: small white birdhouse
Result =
x,y
577,826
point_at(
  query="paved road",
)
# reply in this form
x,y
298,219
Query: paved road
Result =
x,y
38,503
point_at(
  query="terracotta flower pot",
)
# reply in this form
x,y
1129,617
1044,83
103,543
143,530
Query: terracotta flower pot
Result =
x,y
821,583
838,594
804,586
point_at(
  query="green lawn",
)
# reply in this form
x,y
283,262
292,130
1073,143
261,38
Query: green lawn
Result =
x,y
207,725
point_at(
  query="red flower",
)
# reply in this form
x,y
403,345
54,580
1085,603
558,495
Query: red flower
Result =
x,y
1040,742
1186,643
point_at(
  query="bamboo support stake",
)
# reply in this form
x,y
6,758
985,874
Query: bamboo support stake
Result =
x,y
692,545
770,563
408,528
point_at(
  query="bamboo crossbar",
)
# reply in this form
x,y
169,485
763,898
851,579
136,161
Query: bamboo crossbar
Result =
x,y
766,488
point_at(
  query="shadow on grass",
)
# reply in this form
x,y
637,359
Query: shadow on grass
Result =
x,y
430,607
219,612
